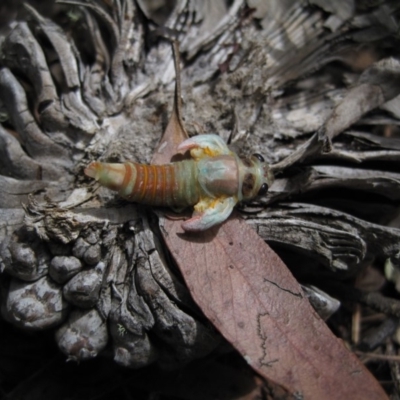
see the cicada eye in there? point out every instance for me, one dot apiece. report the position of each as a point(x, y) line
point(263, 189)
point(259, 157)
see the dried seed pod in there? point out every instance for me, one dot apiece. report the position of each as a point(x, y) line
point(83, 289)
point(92, 255)
point(188, 337)
point(24, 256)
point(130, 320)
point(83, 336)
point(80, 248)
point(87, 252)
point(20, 260)
point(63, 268)
point(38, 305)
point(131, 350)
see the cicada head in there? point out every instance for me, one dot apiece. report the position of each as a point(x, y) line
point(256, 177)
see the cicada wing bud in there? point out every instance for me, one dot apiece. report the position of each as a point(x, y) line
point(205, 146)
point(215, 212)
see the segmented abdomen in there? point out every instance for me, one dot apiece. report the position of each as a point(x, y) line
point(173, 185)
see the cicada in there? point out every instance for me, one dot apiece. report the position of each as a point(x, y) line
point(214, 180)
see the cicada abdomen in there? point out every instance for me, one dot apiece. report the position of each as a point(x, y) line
point(172, 185)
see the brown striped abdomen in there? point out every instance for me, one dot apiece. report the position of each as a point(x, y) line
point(173, 185)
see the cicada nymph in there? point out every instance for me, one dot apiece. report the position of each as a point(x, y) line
point(213, 181)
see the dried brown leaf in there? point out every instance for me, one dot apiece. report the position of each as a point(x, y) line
point(251, 297)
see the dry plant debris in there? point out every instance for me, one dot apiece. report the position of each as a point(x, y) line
point(313, 86)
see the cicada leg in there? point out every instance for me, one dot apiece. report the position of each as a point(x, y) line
point(205, 146)
point(209, 212)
